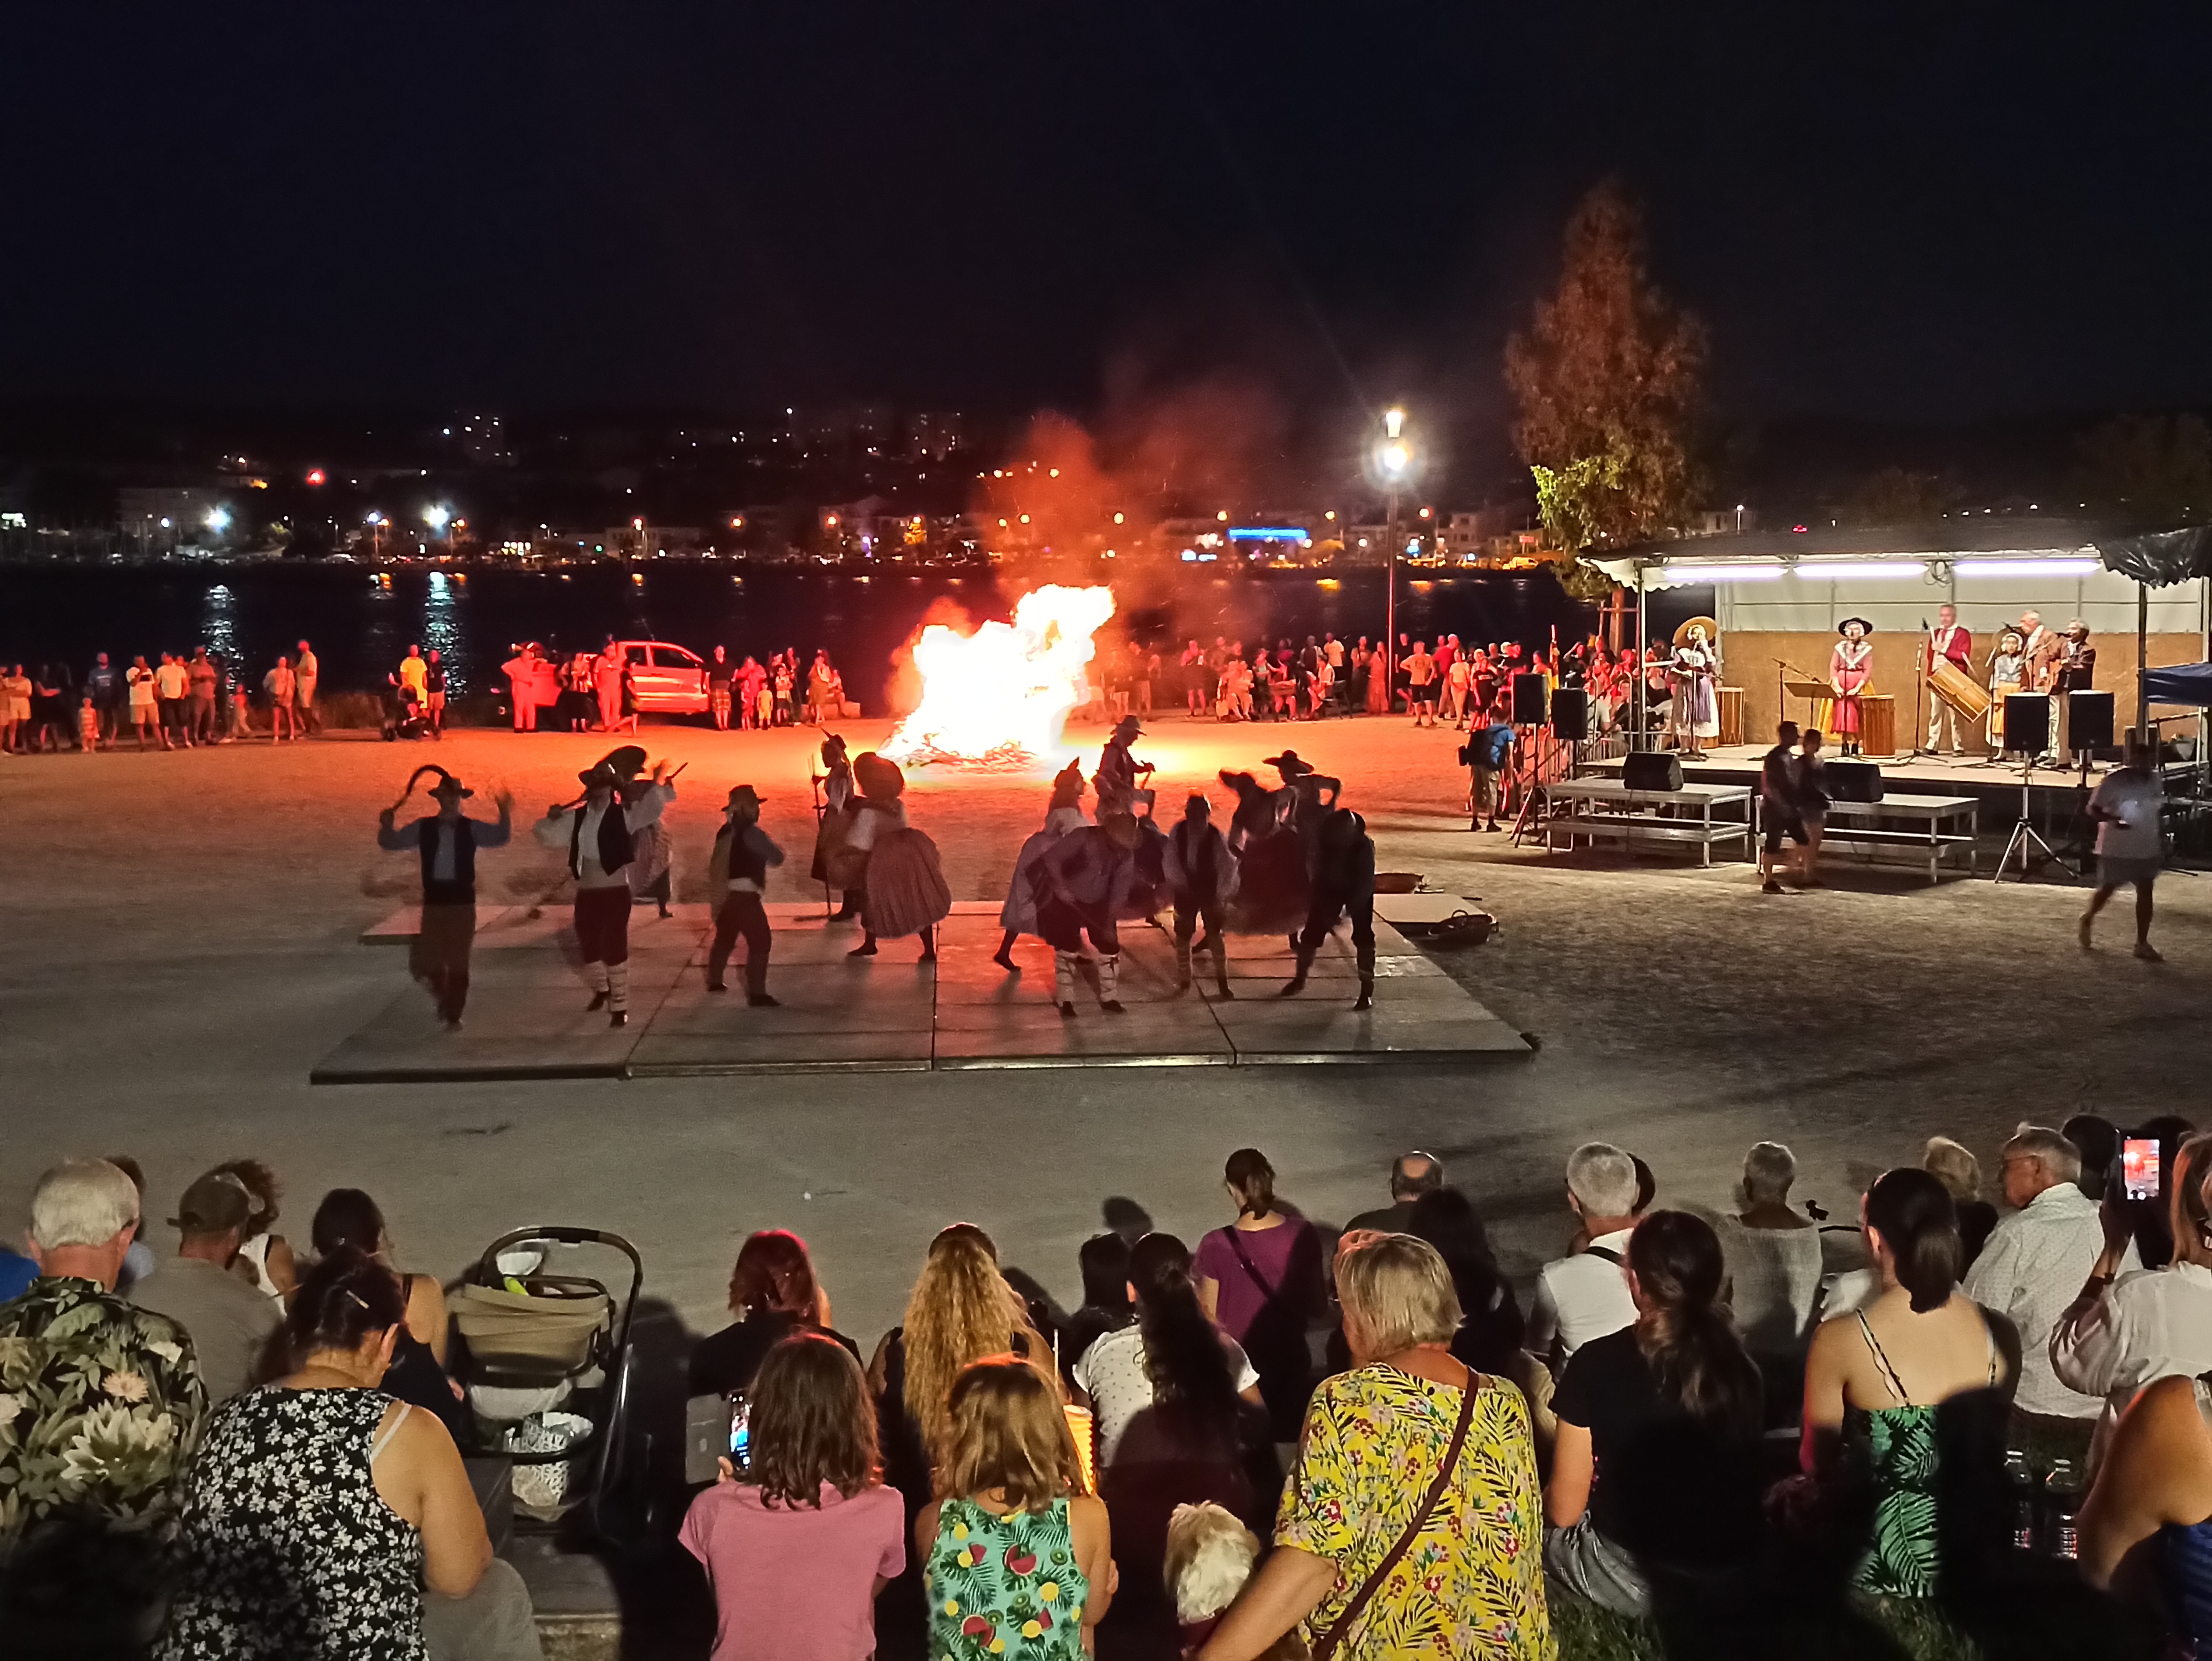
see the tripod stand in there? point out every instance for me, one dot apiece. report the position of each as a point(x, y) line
point(2024, 836)
point(1536, 799)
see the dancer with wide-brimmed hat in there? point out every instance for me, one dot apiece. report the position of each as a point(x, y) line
point(598, 834)
point(448, 841)
point(903, 878)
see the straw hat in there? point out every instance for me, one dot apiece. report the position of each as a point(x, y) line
point(880, 778)
point(1711, 626)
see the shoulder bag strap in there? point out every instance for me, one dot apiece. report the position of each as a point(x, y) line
point(1250, 1268)
point(1340, 1628)
point(1606, 1252)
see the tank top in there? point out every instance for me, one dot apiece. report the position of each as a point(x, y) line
point(1004, 1586)
point(2187, 1550)
point(1903, 1557)
point(256, 1252)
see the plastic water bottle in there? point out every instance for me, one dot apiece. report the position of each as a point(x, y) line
point(2021, 1486)
point(2064, 1489)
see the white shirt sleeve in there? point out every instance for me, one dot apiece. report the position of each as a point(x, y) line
point(1543, 1316)
point(1247, 1376)
point(552, 830)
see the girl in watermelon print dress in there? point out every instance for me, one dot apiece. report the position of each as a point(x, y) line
point(1016, 1558)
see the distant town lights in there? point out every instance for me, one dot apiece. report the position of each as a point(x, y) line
point(218, 519)
point(316, 475)
point(435, 517)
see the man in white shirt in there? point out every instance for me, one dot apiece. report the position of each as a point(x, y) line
point(1585, 1296)
point(2035, 1263)
point(2129, 846)
point(596, 835)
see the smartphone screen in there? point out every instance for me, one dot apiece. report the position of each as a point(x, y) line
point(740, 1431)
point(2139, 1168)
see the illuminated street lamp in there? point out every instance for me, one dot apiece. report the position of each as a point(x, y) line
point(218, 519)
point(376, 522)
point(1394, 465)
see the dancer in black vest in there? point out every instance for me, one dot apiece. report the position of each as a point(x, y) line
point(1201, 875)
point(596, 833)
point(1341, 866)
point(439, 956)
point(736, 876)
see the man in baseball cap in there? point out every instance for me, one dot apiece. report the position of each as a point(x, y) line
point(228, 1319)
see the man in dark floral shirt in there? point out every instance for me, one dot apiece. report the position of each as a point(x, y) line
point(99, 1402)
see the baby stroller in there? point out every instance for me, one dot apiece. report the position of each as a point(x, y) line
point(545, 1360)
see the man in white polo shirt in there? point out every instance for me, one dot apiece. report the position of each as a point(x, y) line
point(1586, 1296)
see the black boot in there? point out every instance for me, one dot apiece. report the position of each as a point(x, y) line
point(1366, 998)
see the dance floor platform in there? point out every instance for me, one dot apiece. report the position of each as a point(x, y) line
point(526, 1017)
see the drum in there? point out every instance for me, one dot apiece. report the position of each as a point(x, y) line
point(1878, 725)
point(1994, 729)
point(1731, 699)
point(1956, 688)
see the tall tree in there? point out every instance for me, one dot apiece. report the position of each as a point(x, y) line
point(2156, 469)
point(1608, 378)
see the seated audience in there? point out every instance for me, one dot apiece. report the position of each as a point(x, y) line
point(16, 1274)
point(1260, 1278)
point(798, 1544)
point(2146, 1219)
point(2146, 1529)
point(230, 1321)
point(2097, 1140)
point(774, 1293)
point(1491, 1327)
point(1016, 1558)
point(1585, 1295)
point(264, 1258)
point(2127, 1330)
point(1172, 1355)
point(1409, 1421)
point(138, 1261)
point(348, 1220)
point(1105, 1261)
point(1773, 1256)
point(1953, 1165)
point(84, 1369)
point(2033, 1267)
point(1655, 1476)
point(1917, 1384)
point(322, 1518)
point(1411, 1175)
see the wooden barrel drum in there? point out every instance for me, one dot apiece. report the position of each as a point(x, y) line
point(1731, 713)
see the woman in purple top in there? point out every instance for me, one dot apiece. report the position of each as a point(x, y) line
point(1261, 1279)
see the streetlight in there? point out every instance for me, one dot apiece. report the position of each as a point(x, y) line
point(376, 536)
point(218, 519)
point(1394, 461)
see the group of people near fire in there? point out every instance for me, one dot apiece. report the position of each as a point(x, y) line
point(1293, 862)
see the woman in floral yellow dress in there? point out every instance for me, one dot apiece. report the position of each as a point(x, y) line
point(1468, 1583)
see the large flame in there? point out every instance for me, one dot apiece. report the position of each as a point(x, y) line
point(1002, 694)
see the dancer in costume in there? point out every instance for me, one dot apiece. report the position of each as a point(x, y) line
point(1201, 877)
point(598, 834)
point(439, 955)
point(1017, 916)
point(904, 880)
point(736, 876)
point(652, 854)
point(1271, 863)
point(1851, 669)
point(834, 866)
point(1343, 879)
point(1086, 883)
point(1118, 771)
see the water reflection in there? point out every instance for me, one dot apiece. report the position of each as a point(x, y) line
point(219, 622)
point(443, 632)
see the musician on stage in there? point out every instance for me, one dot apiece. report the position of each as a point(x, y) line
point(1946, 643)
point(2007, 673)
point(2076, 673)
point(2040, 647)
point(1851, 669)
point(1693, 673)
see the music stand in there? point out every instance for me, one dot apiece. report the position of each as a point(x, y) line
point(1813, 691)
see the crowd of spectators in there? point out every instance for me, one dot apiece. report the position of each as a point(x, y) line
point(1703, 1412)
point(166, 701)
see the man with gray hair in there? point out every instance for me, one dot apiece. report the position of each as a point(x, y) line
point(87, 1370)
point(1585, 1294)
point(1411, 1175)
point(2035, 1263)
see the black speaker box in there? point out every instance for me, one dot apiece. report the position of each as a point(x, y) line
point(1651, 770)
point(1529, 694)
point(2027, 723)
point(1852, 781)
point(1571, 714)
point(2089, 721)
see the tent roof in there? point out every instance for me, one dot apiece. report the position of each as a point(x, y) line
point(1992, 534)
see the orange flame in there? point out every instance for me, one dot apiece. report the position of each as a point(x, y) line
point(1003, 693)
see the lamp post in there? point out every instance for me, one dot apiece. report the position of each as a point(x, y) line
point(1394, 460)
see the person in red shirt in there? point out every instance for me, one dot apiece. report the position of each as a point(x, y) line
point(1947, 643)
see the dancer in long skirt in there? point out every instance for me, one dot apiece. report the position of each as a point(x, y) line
point(833, 866)
point(903, 877)
point(1017, 916)
point(1085, 885)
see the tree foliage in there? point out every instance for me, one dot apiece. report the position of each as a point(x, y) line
point(1898, 495)
point(1607, 377)
point(2157, 469)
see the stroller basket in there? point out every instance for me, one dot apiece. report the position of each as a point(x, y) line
point(555, 1331)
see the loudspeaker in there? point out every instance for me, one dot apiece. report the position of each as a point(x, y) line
point(1852, 781)
point(2089, 721)
point(2028, 722)
point(1570, 714)
point(1528, 693)
point(1651, 770)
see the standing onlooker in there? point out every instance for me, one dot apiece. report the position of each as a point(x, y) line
point(1778, 807)
point(173, 685)
point(1654, 1479)
point(719, 674)
point(104, 682)
point(200, 681)
point(1411, 1175)
point(16, 710)
point(105, 1398)
point(1813, 803)
point(2033, 1267)
point(229, 1320)
point(521, 672)
point(1415, 1484)
point(774, 1294)
point(1016, 1558)
point(306, 670)
point(284, 689)
point(2125, 806)
point(413, 673)
point(1260, 1278)
point(798, 1544)
point(604, 676)
point(145, 711)
point(1420, 684)
point(322, 1518)
point(433, 693)
point(1953, 1165)
point(1585, 1295)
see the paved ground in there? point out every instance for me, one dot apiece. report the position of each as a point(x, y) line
point(181, 948)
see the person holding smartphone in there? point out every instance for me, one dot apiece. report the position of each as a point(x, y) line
point(2125, 807)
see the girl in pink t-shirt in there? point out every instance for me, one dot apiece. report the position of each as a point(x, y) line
point(799, 1544)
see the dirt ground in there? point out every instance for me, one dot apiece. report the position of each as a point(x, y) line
point(180, 948)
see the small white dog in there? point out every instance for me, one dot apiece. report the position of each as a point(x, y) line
point(1210, 1556)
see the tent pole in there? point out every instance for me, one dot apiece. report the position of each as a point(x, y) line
point(1637, 739)
point(2142, 665)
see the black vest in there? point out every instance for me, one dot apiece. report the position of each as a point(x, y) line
point(745, 864)
point(1197, 851)
point(461, 889)
point(614, 841)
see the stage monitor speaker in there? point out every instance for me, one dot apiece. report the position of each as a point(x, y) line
point(1651, 770)
point(2026, 723)
point(2089, 721)
point(1852, 781)
point(1570, 714)
point(1529, 694)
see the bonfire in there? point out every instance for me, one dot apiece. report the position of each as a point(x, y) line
point(999, 697)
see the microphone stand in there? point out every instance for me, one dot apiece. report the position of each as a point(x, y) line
point(1920, 687)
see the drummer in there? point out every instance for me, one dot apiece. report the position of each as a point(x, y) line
point(1946, 643)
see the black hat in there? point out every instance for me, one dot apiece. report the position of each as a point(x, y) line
point(1288, 764)
point(1865, 628)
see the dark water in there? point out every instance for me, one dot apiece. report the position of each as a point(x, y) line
point(361, 629)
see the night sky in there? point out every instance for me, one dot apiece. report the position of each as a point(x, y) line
point(1929, 212)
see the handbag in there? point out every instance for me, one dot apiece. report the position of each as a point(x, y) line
point(1326, 1646)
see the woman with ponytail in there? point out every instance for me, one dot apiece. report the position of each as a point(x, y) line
point(1261, 1278)
point(1910, 1394)
point(1655, 1475)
